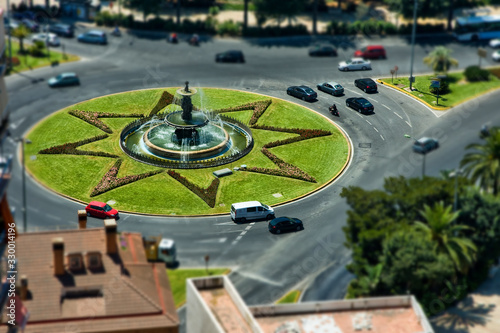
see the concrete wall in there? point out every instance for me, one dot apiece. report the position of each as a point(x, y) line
point(199, 317)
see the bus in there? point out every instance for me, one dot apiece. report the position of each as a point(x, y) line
point(473, 28)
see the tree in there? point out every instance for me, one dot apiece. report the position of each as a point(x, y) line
point(245, 14)
point(21, 32)
point(440, 59)
point(447, 236)
point(146, 6)
point(483, 165)
point(278, 9)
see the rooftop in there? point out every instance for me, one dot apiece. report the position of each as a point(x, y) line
point(93, 299)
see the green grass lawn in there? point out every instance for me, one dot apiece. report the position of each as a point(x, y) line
point(76, 176)
point(290, 297)
point(460, 89)
point(178, 279)
point(28, 62)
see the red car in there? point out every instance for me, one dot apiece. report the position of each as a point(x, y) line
point(371, 52)
point(101, 209)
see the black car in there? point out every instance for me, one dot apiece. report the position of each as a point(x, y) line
point(367, 85)
point(283, 224)
point(322, 51)
point(230, 56)
point(425, 145)
point(303, 92)
point(360, 104)
point(64, 30)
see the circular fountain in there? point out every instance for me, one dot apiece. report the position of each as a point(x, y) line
point(186, 138)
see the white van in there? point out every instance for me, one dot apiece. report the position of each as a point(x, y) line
point(250, 210)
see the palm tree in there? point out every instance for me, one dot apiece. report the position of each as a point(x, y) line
point(21, 32)
point(483, 165)
point(441, 230)
point(440, 59)
point(369, 282)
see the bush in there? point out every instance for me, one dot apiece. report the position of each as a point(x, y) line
point(475, 74)
point(443, 89)
point(229, 28)
point(36, 50)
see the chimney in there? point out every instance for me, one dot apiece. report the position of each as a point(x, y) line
point(82, 219)
point(110, 229)
point(24, 287)
point(58, 249)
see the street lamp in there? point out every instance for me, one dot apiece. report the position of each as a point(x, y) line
point(455, 174)
point(413, 32)
point(24, 141)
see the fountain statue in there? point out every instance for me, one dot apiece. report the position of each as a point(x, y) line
point(186, 135)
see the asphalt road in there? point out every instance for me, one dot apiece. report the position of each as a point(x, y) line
point(265, 266)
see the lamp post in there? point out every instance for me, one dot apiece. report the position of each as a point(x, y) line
point(25, 211)
point(455, 174)
point(413, 32)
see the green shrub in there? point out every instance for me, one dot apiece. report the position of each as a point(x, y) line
point(36, 50)
point(443, 89)
point(475, 74)
point(229, 28)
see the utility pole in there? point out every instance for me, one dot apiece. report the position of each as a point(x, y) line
point(315, 17)
point(413, 32)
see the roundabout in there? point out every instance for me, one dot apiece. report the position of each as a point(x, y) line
point(116, 151)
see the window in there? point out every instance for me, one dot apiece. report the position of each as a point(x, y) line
point(260, 209)
point(94, 260)
point(75, 261)
point(251, 210)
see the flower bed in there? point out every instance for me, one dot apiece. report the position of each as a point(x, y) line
point(257, 107)
point(70, 148)
point(93, 118)
point(208, 194)
point(109, 181)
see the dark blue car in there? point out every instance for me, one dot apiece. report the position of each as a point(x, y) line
point(303, 92)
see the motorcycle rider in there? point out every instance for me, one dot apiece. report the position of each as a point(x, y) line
point(333, 109)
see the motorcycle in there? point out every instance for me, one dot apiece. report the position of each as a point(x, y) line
point(334, 111)
point(194, 40)
point(172, 38)
point(116, 32)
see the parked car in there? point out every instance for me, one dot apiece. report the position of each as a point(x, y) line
point(101, 209)
point(283, 224)
point(303, 92)
point(49, 38)
point(25, 15)
point(64, 30)
point(332, 87)
point(355, 64)
point(496, 55)
point(494, 43)
point(64, 79)
point(30, 24)
point(322, 51)
point(230, 56)
point(359, 104)
point(93, 37)
point(425, 145)
point(366, 84)
point(371, 52)
point(250, 210)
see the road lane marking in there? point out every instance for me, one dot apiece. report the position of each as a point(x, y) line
point(382, 137)
point(238, 238)
point(375, 129)
point(407, 123)
point(54, 217)
point(243, 232)
point(252, 223)
point(374, 100)
point(224, 223)
point(385, 106)
point(368, 122)
point(359, 115)
point(397, 115)
point(248, 228)
point(17, 123)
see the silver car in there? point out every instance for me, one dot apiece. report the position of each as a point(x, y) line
point(355, 64)
point(49, 38)
point(333, 88)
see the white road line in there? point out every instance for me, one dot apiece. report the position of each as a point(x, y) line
point(382, 137)
point(375, 129)
point(385, 106)
point(243, 232)
point(224, 223)
point(252, 223)
point(239, 237)
point(233, 243)
point(248, 228)
point(397, 115)
point(374, 100)
point(57, 218)
point(17, 123)
point(368, 122)
point(408, 123)
point(360, 116)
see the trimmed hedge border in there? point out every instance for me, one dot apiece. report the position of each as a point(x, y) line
point(70, 148)
point(304, 134)
point(208, 194)
point(109, 180)
point(258, 109)
point(165, 99)
point(93, 118)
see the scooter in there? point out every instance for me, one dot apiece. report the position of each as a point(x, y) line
point(334, 111)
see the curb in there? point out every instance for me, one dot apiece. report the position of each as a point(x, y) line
point(415, 97)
